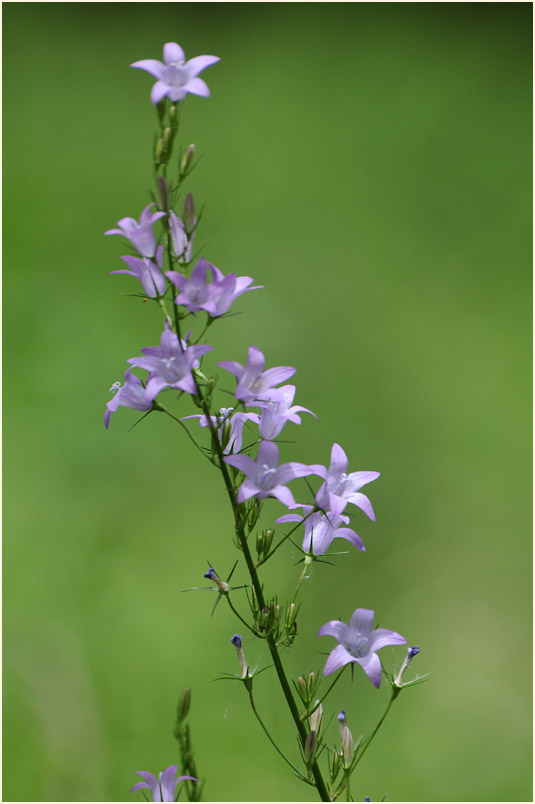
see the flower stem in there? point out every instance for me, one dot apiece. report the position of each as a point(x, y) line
point(395, 693)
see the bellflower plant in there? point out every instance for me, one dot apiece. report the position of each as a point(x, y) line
point(240, 443)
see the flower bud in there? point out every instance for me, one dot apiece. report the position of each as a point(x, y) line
point(166, 136)
point(260, 543)
point(189, 213)
point(268, 539)
point(411, 653)
point(311, 744)
point(173, 116)
point(163, 193)
point(159, 151)
point(347, 747)
point(302, 688)
point(237, 642)
point(213, 576)
point(335, 765)
point(187, 159)
point(184, 703)
point(311, 685)
point(291, 615)
point(316, 717)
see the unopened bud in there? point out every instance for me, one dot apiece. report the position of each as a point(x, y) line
point(316, 717)
point(291, 615)
point(237, 642)
point(335, 765)
point(189, 213)
point(311, 745)
point(302, 688)
point(411, 653)
point(159, 151)
point(166, 136)
point(163, 193)
point(187, 159)
point(347, 747)
point(173, 115)
point(260, 543)
point(184, 703)
point(268, 538)
point(213, 576)
point(311, 685)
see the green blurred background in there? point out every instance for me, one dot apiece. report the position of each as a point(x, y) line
point(370, 164)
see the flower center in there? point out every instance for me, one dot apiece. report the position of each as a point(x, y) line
point(357, 648)
point(176, 74)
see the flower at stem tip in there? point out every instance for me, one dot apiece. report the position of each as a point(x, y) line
point(139, 232)
point(162, 787)
point(411, 653)
point(176, 76)
point(237, 642)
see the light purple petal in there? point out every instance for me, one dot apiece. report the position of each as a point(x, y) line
point(247, 490)
point(290, 471)
point(198, 87)
point(334, 628)
point(382, 637)
point(371, 664)
point(362, 621)
point(285, 496)
point(167, 782)
point(173, 52)
point(337, 659)
point(234, 368)
point(338, 460)
point(363, 503)
point(152, 66)
point(242, 462)
point(152, 783)
point(154, 386)
point(274, 376)
point(199, 63)
point(360, 479)
point(158, 91)
point(289, 518)
point(351, 536)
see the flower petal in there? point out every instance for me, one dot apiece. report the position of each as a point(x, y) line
point(173, 52)
point(334, 628)
point(198, 87)
point(362, 621)
point(199, 63)
point(152, 66)
point(167, 782)
point(371, 664)
point(338, 460)
point(158, 91)
point(151, 782)
point(382, 637)
point(337, 659)
point(364, 503)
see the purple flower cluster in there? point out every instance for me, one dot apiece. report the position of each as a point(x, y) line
point(163, 786)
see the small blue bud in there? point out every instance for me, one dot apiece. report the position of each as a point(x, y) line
point(413, 651)
point(211, 574)
point(342, 717)
point(236, 640)
point(367, 799)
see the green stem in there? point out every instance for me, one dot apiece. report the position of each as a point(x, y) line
point(160, 407)
point(272, 741)
point(395, 693)
point(238, 615)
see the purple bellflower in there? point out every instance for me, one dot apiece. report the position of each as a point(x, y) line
point(253, 381)
point(264, 478)
point(277, 409)
point(215, 297)
point(340, 488)
point(230, 427)
point(358, 642)
point(139, 232)
point(182, 245)
point(176, 76)
point(163, 787)
point(149, 274)
point(320, 530)
point(129, 395)
point(169, 364)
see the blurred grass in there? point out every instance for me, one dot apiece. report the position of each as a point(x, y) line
point(370, 165)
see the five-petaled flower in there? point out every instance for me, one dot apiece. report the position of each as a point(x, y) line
point(253, 381)
point(162, 787)
point(358, 642)
point(169, 364)
point(139, 232)
point(264, 478)
point(196, 293)
point(321, 529)
point(277, 409)
point(149, 274)
point(176, 76)
point(340, 488)
point(130, 395)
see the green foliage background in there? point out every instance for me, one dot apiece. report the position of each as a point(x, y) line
point(370, 164)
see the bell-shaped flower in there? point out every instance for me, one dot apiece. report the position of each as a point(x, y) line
point(253, 382)
point(139, 232)
point(359, 643)
point(182, 245)
point(169, 364)
point(162, 787)
point(277, 409)
point(230, 427)
point(341, 488)
point(264, 477)
point(214, 297)
point(150, 275)
point(130, 395)
point(176, 76)
point(321, 529)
